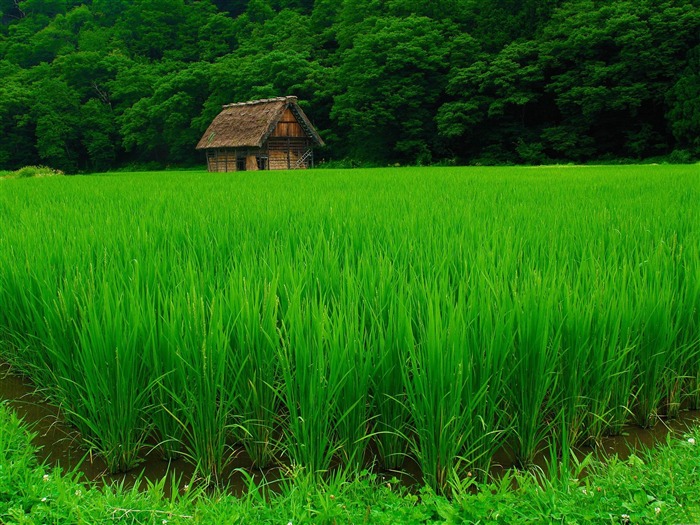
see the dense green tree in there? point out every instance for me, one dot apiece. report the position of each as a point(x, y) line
point(496, 23)
point(217, 36)
point(684, 105)
point(610, 66)
point(234, 8)
point(593, 83)
point(17, 146)
point(99, 137)
point(10, 11)
point(155, 28)
point(390, 84)
point(55, 112)
point(161, 125)
point(497, 105)
point(89, 85)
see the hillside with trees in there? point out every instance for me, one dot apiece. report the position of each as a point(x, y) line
point(103, 84)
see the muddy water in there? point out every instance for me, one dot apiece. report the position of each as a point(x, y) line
point(60, 446)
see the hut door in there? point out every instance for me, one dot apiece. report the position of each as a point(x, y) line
point(240, 164)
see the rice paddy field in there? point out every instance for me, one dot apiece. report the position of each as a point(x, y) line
point(332, 319)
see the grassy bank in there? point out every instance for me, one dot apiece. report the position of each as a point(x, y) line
point(647, 488)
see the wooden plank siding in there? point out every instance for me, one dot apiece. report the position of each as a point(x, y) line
point(221, 160)
point(288, 126)
point(278, 154)
point(285, 153)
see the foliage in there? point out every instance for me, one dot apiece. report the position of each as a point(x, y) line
point(97, 85)
point(33, 171)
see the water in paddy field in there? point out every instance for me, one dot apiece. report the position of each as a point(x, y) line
point(59, 445)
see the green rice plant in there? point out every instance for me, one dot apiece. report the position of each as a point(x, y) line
point(490, 338)
point(620, 341)
point(40, 324)
point(441, 393)
point(596, 374)
point(308, 389)
point(390, 338)
point(676, 301)
point(111, 377)
point(690, 321)
point(350, 364)
point(169, 372)
point(533, 384)
point(528, 272)
point(683, 365)
point(575, 372)
point(610, 378)
point(212, 381)
point(59, 328)
point(657, 334)
point(255, 345)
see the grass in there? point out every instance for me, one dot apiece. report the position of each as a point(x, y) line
point(329, 320)
point(646, 488)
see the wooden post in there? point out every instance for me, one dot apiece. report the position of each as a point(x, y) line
point(289, 148)
point(251, 163)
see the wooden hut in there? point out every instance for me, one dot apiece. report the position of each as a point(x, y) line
point(268, 134)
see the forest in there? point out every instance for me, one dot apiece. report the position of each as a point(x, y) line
point(105, 84)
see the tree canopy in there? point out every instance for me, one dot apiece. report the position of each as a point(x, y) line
point(101, 84)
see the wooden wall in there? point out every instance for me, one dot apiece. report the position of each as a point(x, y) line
point(278, 154)
point(221, 160)
point(288, 126)
point(286, 153)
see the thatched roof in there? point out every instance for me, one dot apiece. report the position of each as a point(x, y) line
point(249, 124)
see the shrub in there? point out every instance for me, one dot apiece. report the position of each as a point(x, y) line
point(35, 171)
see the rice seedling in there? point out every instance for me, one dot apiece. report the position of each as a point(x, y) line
point(390, 337)
point(533, 384)
point(651, 353)
point(441, 391)
point(212, 381)
point(110, 374)
point(490, 339)
point(255, 346)
point(170, 375)
point(350, 364)
point(308, 389)
point(594, 364)
point(434, 313)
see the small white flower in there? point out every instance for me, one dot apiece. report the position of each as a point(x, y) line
point(164, 522)
point(43, 500)
point(657, 510)
point(46, 477)
point(691, 441)
point(78, 493)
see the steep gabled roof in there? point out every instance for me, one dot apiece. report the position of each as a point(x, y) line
point(249, 124)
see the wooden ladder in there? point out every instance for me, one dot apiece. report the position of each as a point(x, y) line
point(302, 160)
